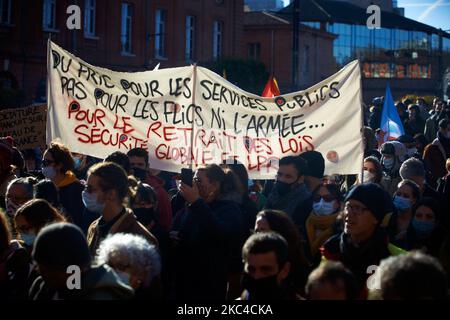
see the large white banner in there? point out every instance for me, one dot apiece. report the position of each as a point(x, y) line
point(190, 116)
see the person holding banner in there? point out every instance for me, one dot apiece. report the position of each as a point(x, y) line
point(106, 189)
point(58, 166)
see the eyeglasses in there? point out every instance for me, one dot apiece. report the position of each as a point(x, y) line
point(326, 198)
point(355, 208)
point(46, 162)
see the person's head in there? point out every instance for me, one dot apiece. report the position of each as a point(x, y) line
point(409, 144)
point(420, 142)
point(32, 217)
point(139, 162)
point(47, 190)
point(414, 111)
point(120, 159)
point(57, 247)
point(57, 160)
point(373, 172)
point(412, 276)
point(407, 194)
point(240, 171)
point(278, 221)
point(413, 169)
point(291, 173)
point(426, 216)
point(31, 159)
point(420, 102)
point(331, 281)
point(266, 266)
point(444, 128)
point(145, 204)
point(393, 154)
point(315, 164)
point(106, 186)
point(214, 182)
point(447, 165)
point(19, 191)
point(327, 200)
point(439, 106)
point(365, 207)
point(400, 108)
point(134, 259)
point(5, 232)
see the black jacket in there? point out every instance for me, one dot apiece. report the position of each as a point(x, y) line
point(211, 237)
point(71, 201)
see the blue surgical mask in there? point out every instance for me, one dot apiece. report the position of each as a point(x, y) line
point(28, 238)
point(388, 163)
point(423, 228)
point(49, 172)
point(77, 162)
point(402, 204)
point(323, 208)
point(91, 203)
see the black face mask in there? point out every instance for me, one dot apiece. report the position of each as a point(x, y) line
point(145, 216)
point(262, 289)
point(139, 173)
point(283, 188)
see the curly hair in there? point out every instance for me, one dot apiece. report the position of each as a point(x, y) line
point(123, 251)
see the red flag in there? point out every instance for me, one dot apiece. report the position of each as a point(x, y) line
point(271, 89)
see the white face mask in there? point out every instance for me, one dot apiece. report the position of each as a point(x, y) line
point(367, 176)
point(323, 208)
point(49, 172)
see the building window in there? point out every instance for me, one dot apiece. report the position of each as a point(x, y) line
point(217, 39)
point(127, 19)
point(49, 20)
point(190, 38)
point(89, 17)
point(5, 11)
point(254, 51)
point(160, 33)
point(305, 60)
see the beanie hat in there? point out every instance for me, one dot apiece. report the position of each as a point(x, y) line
point(316, 163)
point(60, 245)
point(373, 197)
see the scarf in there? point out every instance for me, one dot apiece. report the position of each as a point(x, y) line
point(319, 229)
point(288, 202)
point(69, 178)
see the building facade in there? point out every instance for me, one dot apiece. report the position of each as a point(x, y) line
point(127, 35)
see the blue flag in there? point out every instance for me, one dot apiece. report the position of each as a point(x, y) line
point(391, 125)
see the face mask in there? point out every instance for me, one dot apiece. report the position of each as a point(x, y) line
point(124, 277)
point(323, 208)
point(411, 152)
point(401, 203)
point(282, 187)
point(388, 163)
point(261, 289)
point(367, 176)
point(77, 162)
point(423, 228)
point(139, 173)
point(91, 203)
point(49, 172)
point(11, 208)
point(28, 238)
point(145, 215)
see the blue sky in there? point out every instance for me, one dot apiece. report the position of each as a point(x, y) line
point(432, 12)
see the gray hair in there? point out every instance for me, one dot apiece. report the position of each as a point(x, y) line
point(128, 251)
point(412, 168)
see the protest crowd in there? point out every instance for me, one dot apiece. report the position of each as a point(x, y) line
point(133, 232)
